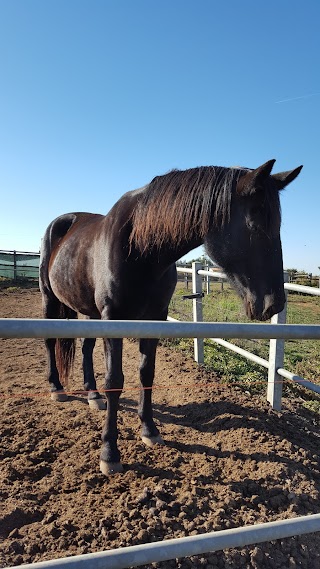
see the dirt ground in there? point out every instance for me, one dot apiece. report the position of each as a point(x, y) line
point(229, 460)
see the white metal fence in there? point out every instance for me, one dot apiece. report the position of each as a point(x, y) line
point(274, 364)
point(193, 545)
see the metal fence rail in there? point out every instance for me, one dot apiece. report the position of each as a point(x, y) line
point(136, 555)
point(55, 328)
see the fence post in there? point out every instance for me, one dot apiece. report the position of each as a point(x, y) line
point(197, 310)
point(14, 265)
point(276, 356)
point(207, 280)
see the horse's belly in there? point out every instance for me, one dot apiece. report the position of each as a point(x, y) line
point(82, 303)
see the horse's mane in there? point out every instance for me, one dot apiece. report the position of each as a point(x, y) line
point(181, 204)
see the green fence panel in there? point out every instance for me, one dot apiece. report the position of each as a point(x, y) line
point(18, 264)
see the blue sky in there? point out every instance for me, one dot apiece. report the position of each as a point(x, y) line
point(99, 96)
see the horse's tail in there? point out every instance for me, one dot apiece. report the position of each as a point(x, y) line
point(65, 348)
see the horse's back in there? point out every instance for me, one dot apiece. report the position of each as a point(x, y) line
point(88, 264)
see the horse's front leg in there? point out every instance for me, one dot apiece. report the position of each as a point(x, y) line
point(94, 398)
point(149, 433)
point(110, 456)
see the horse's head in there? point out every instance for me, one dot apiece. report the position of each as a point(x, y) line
point(247, 245)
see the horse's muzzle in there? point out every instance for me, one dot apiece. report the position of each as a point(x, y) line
point(257, 310)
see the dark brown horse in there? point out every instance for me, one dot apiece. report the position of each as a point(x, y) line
point(121, 266)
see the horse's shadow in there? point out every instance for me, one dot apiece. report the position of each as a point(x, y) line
point(212, 418)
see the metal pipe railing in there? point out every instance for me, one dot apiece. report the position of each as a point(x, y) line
point(56, 328)
point(300, 380)
point(315, 291)
point(249, 355)
point(276, 349)
point(185, 546)
point(213, 274)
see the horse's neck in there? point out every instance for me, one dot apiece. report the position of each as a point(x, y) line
point(169, 254)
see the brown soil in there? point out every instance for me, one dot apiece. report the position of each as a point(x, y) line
point(229, 460)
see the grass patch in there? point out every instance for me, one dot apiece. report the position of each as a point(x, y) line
point(313, 405)
point(12, 289)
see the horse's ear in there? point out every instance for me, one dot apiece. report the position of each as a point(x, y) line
point(247, 183)
point(284, 178)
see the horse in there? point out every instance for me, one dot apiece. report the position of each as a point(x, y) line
point(121, 266)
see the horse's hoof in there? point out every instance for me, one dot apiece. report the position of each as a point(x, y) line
point(108, 468)
point(151, 441)
point(97, 404)
point(60, 396)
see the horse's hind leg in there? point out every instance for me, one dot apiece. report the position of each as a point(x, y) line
point(150, 434)
point(51, 309)
point(94, 398)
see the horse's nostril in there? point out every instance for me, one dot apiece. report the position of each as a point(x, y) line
point(268, 302)
point(272, 309)
point(252, 310)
